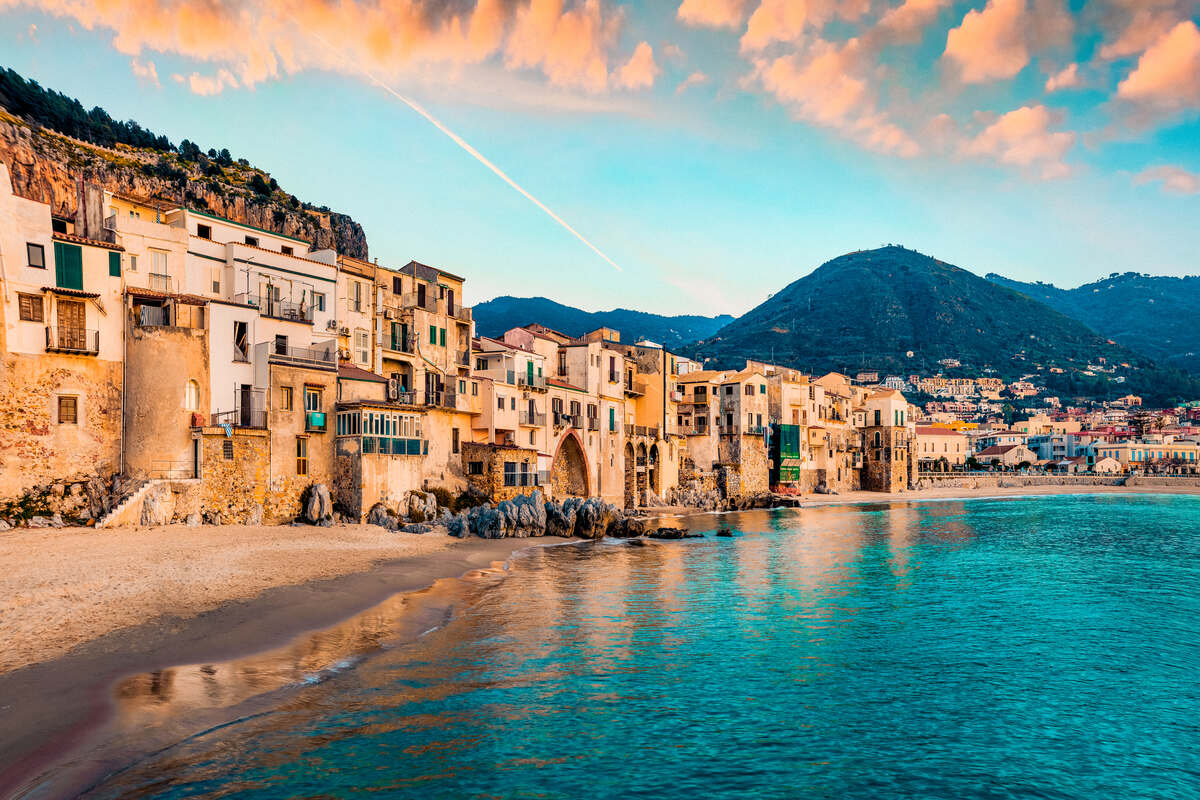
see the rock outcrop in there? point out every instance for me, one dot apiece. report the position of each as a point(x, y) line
point(317, 505)
point(45, 166)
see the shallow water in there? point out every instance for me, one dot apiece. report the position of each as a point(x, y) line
point(1040, 647)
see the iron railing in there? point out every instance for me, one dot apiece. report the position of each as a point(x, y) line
point(153, 316)
point(536, 419)
point(562, 420)
point(270, 306)
point(240, 418)
point(321, 357)
point(402, 344)
point(532, 381)
point(63, 339)
point(160, 282)
point(411, 300)
point(464, 358)
point(172, 470)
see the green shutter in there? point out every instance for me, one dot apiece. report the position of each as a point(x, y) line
point(432, 335)
point(114, 264)
point(68, 266)
point(612, 419)
point(442, 341)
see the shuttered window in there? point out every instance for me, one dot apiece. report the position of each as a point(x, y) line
point(114, 264)
point(68, 410)
point(31, 307)
point(68, 266)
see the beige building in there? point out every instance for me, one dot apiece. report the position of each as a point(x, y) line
point(940, 449)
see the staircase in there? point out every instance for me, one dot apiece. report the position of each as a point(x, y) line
point(122, 514)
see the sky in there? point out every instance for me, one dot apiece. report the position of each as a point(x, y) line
point(677, 156)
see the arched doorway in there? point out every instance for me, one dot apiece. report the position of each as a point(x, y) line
point(630, 478)
point(654, 474)
point(642, 484)
point(568, 472)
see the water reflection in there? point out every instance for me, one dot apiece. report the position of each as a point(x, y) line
point(898, 649)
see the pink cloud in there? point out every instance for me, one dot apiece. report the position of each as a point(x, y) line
point(787, 20)
point(572, 43)
point(1167, 76)
point(997, 42)
point(1131, 26)
point(712, 13)
point(907, 19)
point(1066, 78)
point(1175, 180)
point(1023, 138)
point(145, 72)
point(695, 79)
point(640, 71)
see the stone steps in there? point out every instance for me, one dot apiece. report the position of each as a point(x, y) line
point(116, 516)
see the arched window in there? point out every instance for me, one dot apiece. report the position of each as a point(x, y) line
point(191, 396)
point(877, 439)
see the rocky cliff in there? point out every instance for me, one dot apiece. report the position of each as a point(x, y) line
point(46, 165)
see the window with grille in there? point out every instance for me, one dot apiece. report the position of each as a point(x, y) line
point(68, 410)
point(227, 449)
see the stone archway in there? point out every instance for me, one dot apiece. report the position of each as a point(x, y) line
point(654, 472)
point(630, 478)
point(569, 470)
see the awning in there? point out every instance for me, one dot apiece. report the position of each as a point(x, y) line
point(70, 292)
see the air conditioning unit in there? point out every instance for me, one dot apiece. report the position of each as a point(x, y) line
point(331, 325)
point(344, 353)
point(393, 389)
point(344, 332)
point(389, 313)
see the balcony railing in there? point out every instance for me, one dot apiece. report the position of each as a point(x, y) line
point(642, 430)
point(63, 339)
point(161, 282)
point(754, 430)
point(402, 344)
point(567, 420)
point(270, 306)
point(532, 381)
point(461, 313)
point(593, 423)
point(535, 419)
point(314, 421)
point(153, 316)
point(439, 399)
point(320, 357)
point(240, 418)
point(464, 358)
point(411, 300)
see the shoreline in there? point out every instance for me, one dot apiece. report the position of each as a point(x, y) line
point(51, 710)
point(51, 707)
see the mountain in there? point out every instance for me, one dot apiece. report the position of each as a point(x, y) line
point(496, 316)
point(898, 311)
point(1154, 315)
point(49, 141)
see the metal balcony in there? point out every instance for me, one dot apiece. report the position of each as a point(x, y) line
point(72, 340)
point(535, 419)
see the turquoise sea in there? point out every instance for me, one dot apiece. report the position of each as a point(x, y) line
point(1044, 647)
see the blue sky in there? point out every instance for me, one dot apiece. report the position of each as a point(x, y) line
point(819, 127)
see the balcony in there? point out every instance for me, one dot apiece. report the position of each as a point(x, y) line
point(276, 308)
point(63, 339)
point(642, 430)
point(412, 300)
point(240, 418)
point(402, 344)
point(314, 421)
point(461, 313)
point(319, 357)
point(593, 423)
point(754, 430)
point(535, 419)
point(531, 381)
point(464, 358)
point(567, 420)
point(160, 282)
point(441, 399)
point(635, 388)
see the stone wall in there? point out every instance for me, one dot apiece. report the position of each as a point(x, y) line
point(286, 484)
point(491, 457)
point(1004, 481)
point(747, 456)
point(35, 450)
point(233, 490)
point(885, 466)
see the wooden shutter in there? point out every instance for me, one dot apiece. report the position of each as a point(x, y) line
point(114, 264)
point(68, 266)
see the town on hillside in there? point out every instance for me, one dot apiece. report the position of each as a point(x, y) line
point(151, 345)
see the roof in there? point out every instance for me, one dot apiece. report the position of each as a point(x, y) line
point(998, 449)
point(70, 237)
point(428, 273)
point(564, 385)
point(228, 221)
point(153, 202)
point(933, 430)
point(69, 292)
point(189, 299)
point(350, 372)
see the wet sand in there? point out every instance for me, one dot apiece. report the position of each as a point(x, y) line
point(50, 706)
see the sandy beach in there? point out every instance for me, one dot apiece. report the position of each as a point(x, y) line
point(80, 608)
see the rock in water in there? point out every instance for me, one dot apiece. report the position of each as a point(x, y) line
point(725, 532)
point(673, 533)
point(416, 527)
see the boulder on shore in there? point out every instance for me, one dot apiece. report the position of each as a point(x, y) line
point(317, 505)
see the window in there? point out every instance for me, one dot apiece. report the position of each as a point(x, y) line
point(158, 262)
point(204, 231)
point(114, 264)
point(762, 389)
point(133, 263)
point(749, 389)
point(285, 398)
point(301, 455)
point(562, 362)
point(612, 419)
point(728, 390)
point(512, 404)
point(474, 389)
point(287, 250)
point(312, 399)
point(31, 308)
point(252, 241)
point(474, 467)
point(454, 440)
point(362, 347)
point(877, 416)
point(442, 337)
point(227, 449)
point(433, 334)
point(500, 403)
point(462, 387)
point(191, 396)
point(356, 295)
point(36, 255)
point(397, 286)
point(241, 341)
point(319, 301)
point(510, 473)
point(68, 410)
point(216, 287)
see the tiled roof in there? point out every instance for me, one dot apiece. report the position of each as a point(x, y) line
point(190, 299)
point(69, 292)
point(932, 430)
point(353, 373)
point(997, 449)
point(70, 237)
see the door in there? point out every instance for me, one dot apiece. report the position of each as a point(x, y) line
point(432, 389)
point(529, 373)
point(246, 405)
point(71, 332)
point(450, 302)
point(421, 295)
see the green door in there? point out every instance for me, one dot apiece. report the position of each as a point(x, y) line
point(529, 373)
point(68, 266)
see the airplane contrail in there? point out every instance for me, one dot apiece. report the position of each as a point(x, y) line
point(481, 158)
